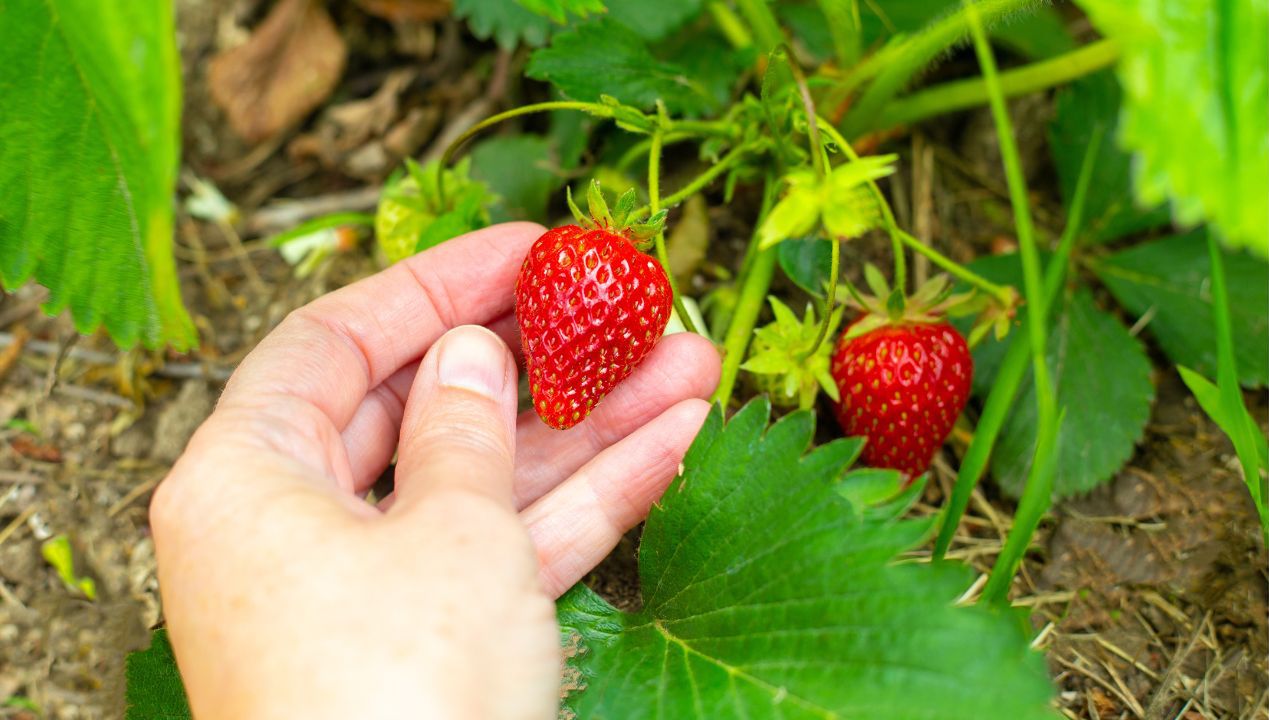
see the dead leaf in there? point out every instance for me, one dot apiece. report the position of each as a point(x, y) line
point(686, 243)
point(29, 448)
point(406, 10)
point(288, 66)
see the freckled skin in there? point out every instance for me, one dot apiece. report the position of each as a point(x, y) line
point(590, 308)
point(902, 387)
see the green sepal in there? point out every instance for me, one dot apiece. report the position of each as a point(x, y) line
point(598, 206)
point(581, 217)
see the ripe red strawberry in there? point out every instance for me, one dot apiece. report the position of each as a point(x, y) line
point(903, 379)
point(590, 308)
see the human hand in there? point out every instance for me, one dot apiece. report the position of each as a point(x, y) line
point(287, 595)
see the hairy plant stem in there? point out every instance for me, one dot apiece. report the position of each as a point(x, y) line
point(1012, 369)
point(957, 270)
point(972, 92)
point(893, 67)
point(695, 127)
point(820, 162)
point(699, 182)
point(654, 195)
point(1036, 496)
point(754, 284)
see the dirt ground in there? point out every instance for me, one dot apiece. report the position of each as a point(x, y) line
point(1151, 595)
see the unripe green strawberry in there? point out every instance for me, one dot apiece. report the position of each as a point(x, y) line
point(590, 308)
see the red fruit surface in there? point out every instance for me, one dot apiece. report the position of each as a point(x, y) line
point(590, 307)
point(902, 387)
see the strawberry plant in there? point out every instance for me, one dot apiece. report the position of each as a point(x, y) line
point(775, 578)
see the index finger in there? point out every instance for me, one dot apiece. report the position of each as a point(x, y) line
point(331, 352)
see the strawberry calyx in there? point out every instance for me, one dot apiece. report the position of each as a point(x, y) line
point(886, 306)
point(618, 220)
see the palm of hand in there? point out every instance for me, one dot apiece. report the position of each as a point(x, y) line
point(285, 591)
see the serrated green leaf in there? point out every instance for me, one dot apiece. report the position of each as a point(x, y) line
point(506, 21)
point(1102, 377)
point(89, 150)
point(517, 168)
point(605, 58)
point(707, 57)
point(766, 595)
point(1169, 280)
point(155, 691)
point(795, 215)
point(1196, 107)
point(1087, 107)
point(560, 10)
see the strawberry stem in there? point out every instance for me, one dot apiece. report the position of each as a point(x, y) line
point(654, 195)
point(887, 215)
point(699, 182)
point(753, 292)
point(1000, 292)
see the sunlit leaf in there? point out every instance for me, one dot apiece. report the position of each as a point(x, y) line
point(89, 149)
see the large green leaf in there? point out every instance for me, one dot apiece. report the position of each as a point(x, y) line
point(1169, 280)
point(518, 168)
point(653, 19)
point(768, 595)
point(507, 22)
point(1102, 376)
point(154, 690)
point(1196, 84)
point(89, 150)
point(605, 58)
point(1089, 107)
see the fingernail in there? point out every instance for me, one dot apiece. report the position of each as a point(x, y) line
point(474, 359)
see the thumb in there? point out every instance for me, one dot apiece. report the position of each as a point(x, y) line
point(458, 429)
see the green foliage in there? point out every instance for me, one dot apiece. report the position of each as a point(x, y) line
point(653, 19)
point(778, 357)
point(1038, 35)
point(506, 21)
point(58, 553)
point(807, 262)
point(841, 203)
point(1087, 107)
point(605, 58)
point(1102, 377)
point(1169, 280)
point(1197, 107)
point(518, 169)
point(560, 10)
point(766, 594)
point(89, 147)
point(154, 689)
point(412, 217)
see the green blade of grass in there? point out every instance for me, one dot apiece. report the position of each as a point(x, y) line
point(1037, 495)
point(1240, 427)
point(1014, 366)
